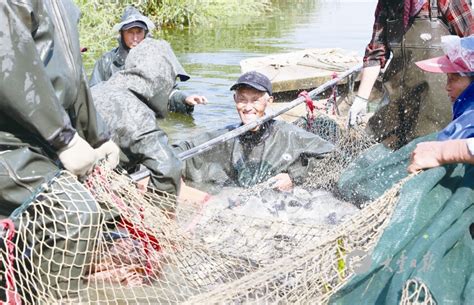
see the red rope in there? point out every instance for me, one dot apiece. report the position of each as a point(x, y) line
point(310, 108)
point(331, 107)
point(12, 294)
point(146, 239)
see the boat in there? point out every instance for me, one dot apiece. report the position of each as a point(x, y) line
point(301, 70)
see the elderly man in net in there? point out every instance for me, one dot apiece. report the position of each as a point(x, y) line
point(276, 151)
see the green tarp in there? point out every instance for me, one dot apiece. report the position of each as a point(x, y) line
point(428, 236)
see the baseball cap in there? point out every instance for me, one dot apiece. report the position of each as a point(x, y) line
point(458, 58)
point(255, 80)
point(134, 24)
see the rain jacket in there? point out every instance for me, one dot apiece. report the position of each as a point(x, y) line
point(44, 101)
point(253, 157)
point(417, 104)
point(44, 97)
point(128, 102)
point(462, 126)
point(114, 61)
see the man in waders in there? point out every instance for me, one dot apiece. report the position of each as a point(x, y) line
point(127, 104)
point(276, 151)
point(133, 28)
point(47, 122)
point(411, 30)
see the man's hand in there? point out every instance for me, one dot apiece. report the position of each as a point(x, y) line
point(357, 111)
point(193, 100)
point(425, 155)
point(192, 195)
point(110, 153)
point(281, 182)
point(78, 156)
point(436, 153)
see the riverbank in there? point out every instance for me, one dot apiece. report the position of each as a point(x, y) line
point(98, 18)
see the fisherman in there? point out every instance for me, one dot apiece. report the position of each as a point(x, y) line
point(128, 102)
point(277, 152)
point(47, 122)
point(456, 142)
point(411, 30)
point(133, 28)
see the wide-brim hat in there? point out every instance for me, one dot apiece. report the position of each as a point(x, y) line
point(441, 64)
point(458, 58)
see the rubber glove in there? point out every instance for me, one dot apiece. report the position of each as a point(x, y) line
point(78, 156)
point(436, 153)
point(357, 111)
point(110, 153)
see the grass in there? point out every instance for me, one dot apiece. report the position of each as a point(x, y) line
point(99, 16)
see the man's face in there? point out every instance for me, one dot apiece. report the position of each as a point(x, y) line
point(251, 103)
point(133, 36)
point(456, 84)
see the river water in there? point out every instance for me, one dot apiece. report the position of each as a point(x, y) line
point(211, 54)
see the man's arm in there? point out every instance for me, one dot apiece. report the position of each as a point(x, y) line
point(375, 58)
point(432, 154)
point(182, 103)
point(98, 74)
point(26, 93)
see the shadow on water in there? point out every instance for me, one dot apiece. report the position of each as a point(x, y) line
point(211, 54)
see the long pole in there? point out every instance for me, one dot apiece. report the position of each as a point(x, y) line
point(244, 128)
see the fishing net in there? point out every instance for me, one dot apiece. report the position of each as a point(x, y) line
point(105, 241)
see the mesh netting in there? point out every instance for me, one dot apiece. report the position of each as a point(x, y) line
point(107, 242)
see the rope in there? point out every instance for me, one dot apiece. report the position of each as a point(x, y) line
point(146, 239)
point(309, 106)
point(332, 101)
point(12, 294)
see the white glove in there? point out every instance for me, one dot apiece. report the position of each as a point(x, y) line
point(110, 153)
point(78, 156)
point(357, 111)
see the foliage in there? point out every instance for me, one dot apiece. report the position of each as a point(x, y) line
point(99, 16)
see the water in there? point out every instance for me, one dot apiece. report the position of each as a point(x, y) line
point(212, 54)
